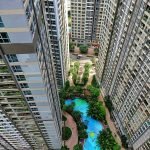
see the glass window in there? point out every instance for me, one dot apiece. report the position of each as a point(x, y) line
point(24, 85)
point(12, 58)
point(4, 37)
point(16, 69)
point(20, 77)
point(1, 22)
point(27, 92)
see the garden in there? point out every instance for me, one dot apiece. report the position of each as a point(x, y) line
point(83, 49)
point(89, 114)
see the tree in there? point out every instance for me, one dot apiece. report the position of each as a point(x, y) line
point(78, 147)
point(97, 111)
point(66, 133)
point(68, 108)
point(62, 93)
point(74, 71)
point(86, 73)
point(94, 91)
point(83, 49)
point(108, 103)
point(64, 118)
point(96, 50)
point(94, 82)
point(76, 115)
point(71, 47)
point(107, 141)
point(67, 84)
point(82, 134)
point(93, 59)
point(64, 148)
point(124, 141)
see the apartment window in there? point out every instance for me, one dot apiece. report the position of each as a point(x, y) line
point(27, 92)
point(33, 104)
point(48, 3)
point(24, 85)
point(30, 98)
point(4, 37)
point(34, 109)
point(16, 69)
point(20, 77)
point(12, 58)
point(51, 10)
point(1, 22)
point(28, 13)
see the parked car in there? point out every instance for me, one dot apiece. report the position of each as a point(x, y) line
point(79, 56)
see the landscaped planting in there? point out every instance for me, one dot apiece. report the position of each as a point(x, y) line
point(97, 111)
point(87, 113)
point(86, 73)
point(107, 141)
point(66, 133)
point(83, 49)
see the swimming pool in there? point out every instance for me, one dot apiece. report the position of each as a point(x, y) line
point(93, 126)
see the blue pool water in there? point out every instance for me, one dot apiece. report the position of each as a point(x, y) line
point(93, 126)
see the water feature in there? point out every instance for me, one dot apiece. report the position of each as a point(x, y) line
point(93, 126)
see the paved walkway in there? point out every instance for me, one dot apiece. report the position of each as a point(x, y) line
point(111, 124)
point(72, 125)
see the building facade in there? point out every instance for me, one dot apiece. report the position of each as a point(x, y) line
point(123, 71)
point(29, 92)
point(92, 20)
point(57, 26)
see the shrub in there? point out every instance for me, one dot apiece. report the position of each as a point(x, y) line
point(66, 133)
point(97, 111)
point(94, 91)
point(83, 49)
point(107, 141)
point(78, 147)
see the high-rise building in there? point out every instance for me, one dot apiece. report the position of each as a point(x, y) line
point(91, 20)
point(123, 71)
point(33, 60)
point(57, 26)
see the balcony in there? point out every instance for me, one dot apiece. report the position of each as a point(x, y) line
point(4, 69)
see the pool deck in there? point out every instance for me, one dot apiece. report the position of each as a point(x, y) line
point(72, 125)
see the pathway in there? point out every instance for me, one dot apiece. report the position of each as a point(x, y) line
point(111, 124)
point(72, 125)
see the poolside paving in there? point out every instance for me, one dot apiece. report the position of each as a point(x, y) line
point(72, 125)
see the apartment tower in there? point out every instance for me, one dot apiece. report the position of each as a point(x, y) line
point(90, 18)
point(57, 26)
point(30, 107)
point(123, 71)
